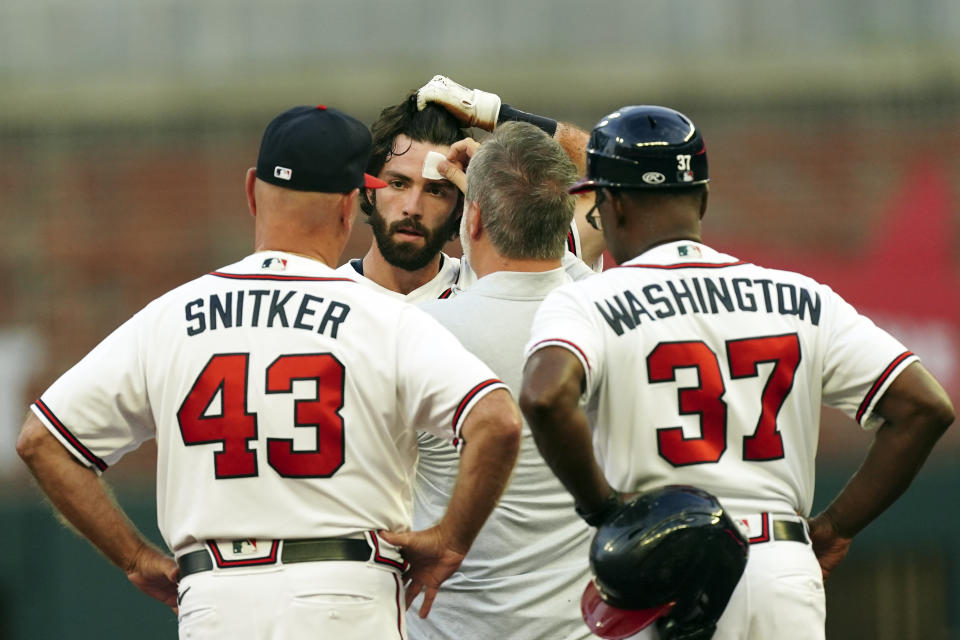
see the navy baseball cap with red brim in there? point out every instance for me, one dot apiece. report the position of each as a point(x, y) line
point(316, 148)
point(613, 623)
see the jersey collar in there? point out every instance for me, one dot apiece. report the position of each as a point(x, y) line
point(519, 285)
point(680, 252)
point(282, 263)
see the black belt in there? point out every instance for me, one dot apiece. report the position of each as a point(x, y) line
point(789, 530)
point(310, 550)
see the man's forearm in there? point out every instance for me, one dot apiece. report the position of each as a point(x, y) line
point(550, 397)
point(78, 495)
point(917, 411)
point(574, 142)
point(565, 442)
point(892, 462)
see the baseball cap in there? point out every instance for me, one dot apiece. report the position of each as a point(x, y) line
point(319, 148)
point(614, 623)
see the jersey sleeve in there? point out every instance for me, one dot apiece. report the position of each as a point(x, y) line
point(439, 380)
point(564, 320)
point(99, 408)
point(860, 362)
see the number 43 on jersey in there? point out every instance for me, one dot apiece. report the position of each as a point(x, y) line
point(226, 375)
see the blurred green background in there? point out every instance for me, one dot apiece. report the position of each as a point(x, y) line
point(126, 127)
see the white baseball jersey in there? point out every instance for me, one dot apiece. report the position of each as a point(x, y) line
point(573, 246)
point(528, 566)
point(439, 286)
point(710, 371)
point(706, 370)
point(284, 400)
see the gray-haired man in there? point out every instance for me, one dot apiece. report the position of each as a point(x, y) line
point(524, 574)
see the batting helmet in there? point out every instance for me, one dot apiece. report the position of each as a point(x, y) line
point(644, 147)
point(671, 555)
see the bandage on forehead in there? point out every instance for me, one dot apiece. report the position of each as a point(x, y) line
point(430, 163)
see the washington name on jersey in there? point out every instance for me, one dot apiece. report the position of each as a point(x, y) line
point(708, 295)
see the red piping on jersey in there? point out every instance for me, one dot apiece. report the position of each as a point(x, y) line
point(566, 342)
point(402, 566)
point(270, 559)
point(571, 245)
point(255, 276)
point(764, 535)
point(446, 294)
point(470, 396)
point(879, 383)
point(72, 439)
point(688, 265)
point(396, 580)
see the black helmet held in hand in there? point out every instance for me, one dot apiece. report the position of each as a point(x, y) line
point(671, 556)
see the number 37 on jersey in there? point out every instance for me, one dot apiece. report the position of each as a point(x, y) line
point(707, 399)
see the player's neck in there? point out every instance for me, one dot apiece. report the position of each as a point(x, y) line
point(632, 250)
point(325, 246)
point(643, 233)
point(388, 276)
point(691, 237)
point(318, 254)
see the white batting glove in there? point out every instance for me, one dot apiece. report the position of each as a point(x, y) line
point(472, 107)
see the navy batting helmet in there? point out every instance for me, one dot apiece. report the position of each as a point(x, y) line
point(644, 147)
point(671, 555)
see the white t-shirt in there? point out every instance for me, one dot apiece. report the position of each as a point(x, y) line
point(710, 371)
point(527, 569)
point(284, 400)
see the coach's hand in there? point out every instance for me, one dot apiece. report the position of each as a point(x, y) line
point(156, 574)
point(472, 107)
point(432, 560)
point(454, 168)
point(829, 546)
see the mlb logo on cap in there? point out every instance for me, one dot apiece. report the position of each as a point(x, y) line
point(283, 173)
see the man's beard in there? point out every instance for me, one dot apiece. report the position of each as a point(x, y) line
point(406, 255)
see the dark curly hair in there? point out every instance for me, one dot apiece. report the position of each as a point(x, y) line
point(433, 125)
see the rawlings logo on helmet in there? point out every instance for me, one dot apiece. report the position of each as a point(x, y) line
point(653, 177)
